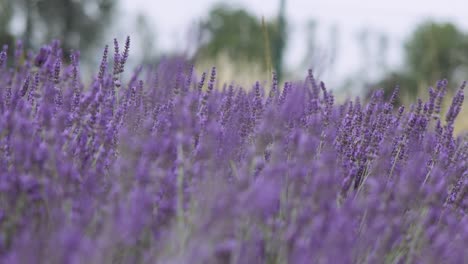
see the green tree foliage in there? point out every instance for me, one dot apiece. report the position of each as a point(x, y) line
point(240, 35)
point(77, 23)
point(433, 52)
point(5, 16)
point(279, 40)
point(408, 84)
point(436, 51)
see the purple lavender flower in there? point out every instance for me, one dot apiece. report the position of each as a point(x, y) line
point(154, 168)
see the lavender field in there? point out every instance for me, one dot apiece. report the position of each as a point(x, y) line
point(166, 165)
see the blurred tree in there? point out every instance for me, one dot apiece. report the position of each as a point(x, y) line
point(320, 57)
point(78, 24)
point(434, 51)
point(240, 35)
point(311, 43)
point(6, 13)
point(146, 36)
point(407, 82)
point(382, 51)
point(364, 39)
point(279, 40)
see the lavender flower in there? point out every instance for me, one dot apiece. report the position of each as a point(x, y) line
point(151, 167)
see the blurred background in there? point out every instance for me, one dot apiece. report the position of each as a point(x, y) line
point(354, 46)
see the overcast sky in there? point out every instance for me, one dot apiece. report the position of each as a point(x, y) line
point(396, 18)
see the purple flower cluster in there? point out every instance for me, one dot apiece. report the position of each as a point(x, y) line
point(166, 167)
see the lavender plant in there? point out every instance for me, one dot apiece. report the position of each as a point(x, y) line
point(166, 167)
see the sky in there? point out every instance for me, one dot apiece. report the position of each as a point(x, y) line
point(397, 19)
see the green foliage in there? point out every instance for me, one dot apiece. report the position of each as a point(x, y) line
point(240, 35)
point(434, 51)
point(279, 40)
point(406, 81)
point(77, 23)
point(74, 21)
point(5, 16)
